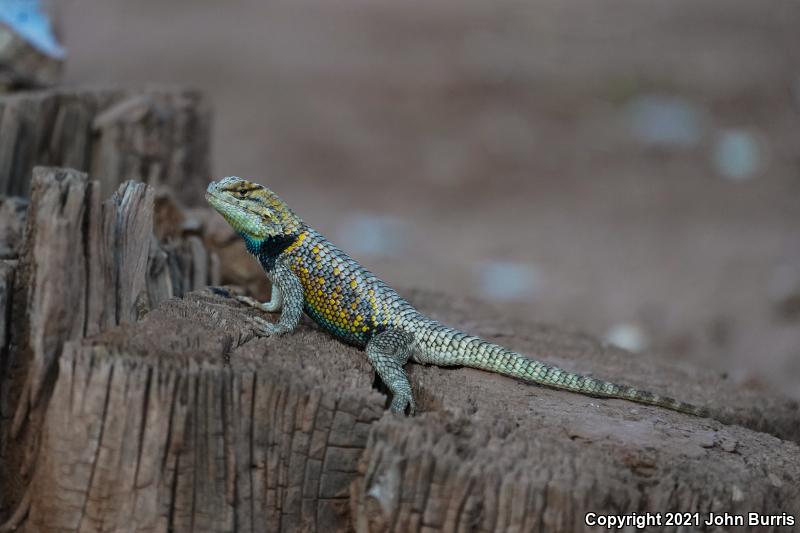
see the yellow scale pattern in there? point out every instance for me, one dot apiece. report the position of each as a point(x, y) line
point(339, 294)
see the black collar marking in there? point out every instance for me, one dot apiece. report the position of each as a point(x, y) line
point(272, 247)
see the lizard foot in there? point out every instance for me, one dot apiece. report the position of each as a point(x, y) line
point(265, 328)
point(272, 306)
point(400, 402)
point(252, 302)
point(241, 298)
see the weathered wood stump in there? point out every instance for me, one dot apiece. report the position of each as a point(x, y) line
point(183, 421)
point(157, 135)
point(179, 419)
point(85, 266)
point(150, 429)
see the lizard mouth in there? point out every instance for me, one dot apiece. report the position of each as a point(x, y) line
point(216, 198)
point(242, 217)
point(230, 208)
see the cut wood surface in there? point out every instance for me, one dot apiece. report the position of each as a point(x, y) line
point(167, 414)
point(527, 458)
point(184, 421)
point(157, 135)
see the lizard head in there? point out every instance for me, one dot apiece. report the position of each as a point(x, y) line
point(255, 212)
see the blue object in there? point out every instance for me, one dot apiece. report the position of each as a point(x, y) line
point(28, 20)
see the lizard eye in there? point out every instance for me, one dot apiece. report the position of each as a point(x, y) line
point(241, 192)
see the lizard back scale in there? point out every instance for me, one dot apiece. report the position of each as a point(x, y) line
point(309, 274)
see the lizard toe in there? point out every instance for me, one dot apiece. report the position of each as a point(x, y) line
point(251, 302)
point(262, 327)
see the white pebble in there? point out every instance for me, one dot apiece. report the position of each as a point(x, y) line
point(627, 336)
point(738, 155)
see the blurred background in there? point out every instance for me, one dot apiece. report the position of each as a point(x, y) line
point(628, 168)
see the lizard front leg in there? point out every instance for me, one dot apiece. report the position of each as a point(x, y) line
point(272, 306)
point(289, 292)
point(388, 351)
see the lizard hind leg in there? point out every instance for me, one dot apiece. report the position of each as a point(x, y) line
point(388, 351)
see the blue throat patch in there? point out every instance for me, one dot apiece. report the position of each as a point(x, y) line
point(253, 245)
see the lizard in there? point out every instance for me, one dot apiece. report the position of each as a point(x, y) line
point(309, 274)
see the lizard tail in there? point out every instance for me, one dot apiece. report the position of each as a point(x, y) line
point(474, 352)
point(518, 366)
